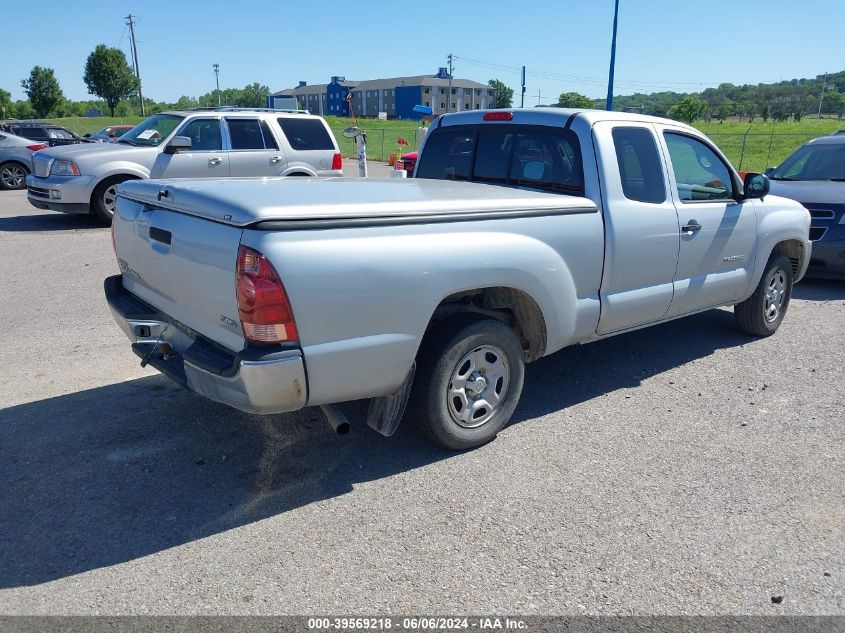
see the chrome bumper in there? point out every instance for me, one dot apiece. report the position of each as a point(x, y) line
point(258, 380)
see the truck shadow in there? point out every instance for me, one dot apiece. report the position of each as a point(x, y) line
point(108, 475)
point(819, 290)
point(48, 222)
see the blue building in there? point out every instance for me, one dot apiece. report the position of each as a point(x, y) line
point(396, 96)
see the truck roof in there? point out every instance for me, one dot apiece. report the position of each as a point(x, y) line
point(245, 201)
point(553, 116)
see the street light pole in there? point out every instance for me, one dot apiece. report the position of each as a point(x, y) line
point(217, 79)
point(609, 103)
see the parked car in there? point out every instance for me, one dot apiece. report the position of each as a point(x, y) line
point(15, 156)
point(521, 233)
point(47, 133)
point(220, 143)
point(814, 175)
point(409, 161)
point(109, 134)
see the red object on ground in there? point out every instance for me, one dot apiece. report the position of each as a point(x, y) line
point(402, 141)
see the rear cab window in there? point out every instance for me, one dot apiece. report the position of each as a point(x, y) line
point(306, 134)
point(640, 169)
point(536, 157)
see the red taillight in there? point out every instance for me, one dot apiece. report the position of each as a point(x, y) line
point(337, 161)
point(263, 304)
point(498, 116)
point(36, 147)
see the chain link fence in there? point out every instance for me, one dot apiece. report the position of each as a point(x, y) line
point(381, 142)
point(756, 152)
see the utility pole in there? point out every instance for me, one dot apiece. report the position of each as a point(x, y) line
point(821, 98)
point(609, 102)
point(539, 98)
point(522, 96)
point(449, 102)
point(217, 79)
point(130, 20)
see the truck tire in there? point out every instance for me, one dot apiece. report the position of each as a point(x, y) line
point(104, 197)
point(13, 175)
point(469, 379)
point(762, 313)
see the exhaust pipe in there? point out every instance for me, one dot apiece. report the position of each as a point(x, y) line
point(336, 419)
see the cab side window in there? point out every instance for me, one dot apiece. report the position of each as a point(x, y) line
point(699, 172)
point(640, 168)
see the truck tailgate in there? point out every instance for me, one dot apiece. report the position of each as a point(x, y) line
point(183, 265)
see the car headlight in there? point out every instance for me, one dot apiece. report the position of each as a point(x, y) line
point(64, 168)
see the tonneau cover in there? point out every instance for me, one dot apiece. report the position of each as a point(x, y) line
point(245, 201)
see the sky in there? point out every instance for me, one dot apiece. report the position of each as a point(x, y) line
point(565, 44)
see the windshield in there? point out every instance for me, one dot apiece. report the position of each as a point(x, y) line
point(152, 131)
point(813, 162)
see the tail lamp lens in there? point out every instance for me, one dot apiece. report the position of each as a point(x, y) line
point(263, 304)
point(498, 116)
point(36, 147)
point(337, 161)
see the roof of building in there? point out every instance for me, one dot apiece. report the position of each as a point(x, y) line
point(380, 84)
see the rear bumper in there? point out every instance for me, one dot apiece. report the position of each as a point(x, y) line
point(255, 380)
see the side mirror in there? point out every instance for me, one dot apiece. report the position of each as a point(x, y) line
point(770, 170)
point(178, 144)
point(755, 185)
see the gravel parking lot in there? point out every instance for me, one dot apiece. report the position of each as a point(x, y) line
point(682, 469)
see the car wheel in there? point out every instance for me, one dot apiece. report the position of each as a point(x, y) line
point(468, 383)
point(13, 176)
point(105, 197)
point(762, 313)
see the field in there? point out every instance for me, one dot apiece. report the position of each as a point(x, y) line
point(749, 147)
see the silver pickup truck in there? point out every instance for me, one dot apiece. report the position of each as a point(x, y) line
point(522, 232)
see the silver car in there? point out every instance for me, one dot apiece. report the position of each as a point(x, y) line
point(15, 156)
point(220, 143)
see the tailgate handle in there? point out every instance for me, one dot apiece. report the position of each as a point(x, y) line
point(163, 193)
point(160, 235)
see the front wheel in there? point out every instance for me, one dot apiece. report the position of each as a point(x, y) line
point(105, 197)
point(13, 176)
point(468, 383)
point(762, 313)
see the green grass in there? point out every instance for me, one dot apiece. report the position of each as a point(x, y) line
point(765, 144)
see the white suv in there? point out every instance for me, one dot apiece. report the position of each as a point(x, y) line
point(217, 143)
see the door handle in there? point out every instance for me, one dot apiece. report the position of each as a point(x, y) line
point(276, 159)
point(691, 227)
point(215, 161)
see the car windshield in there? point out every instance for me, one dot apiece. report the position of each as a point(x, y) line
point(152, 131)
point(813, 162)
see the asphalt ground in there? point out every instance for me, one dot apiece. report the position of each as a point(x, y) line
point(682, 469)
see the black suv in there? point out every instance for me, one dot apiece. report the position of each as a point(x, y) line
point(47, 133)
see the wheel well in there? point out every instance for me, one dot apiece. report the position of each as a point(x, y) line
point(118, 177)
point(794, 250)
point(17, 162)
point(512, 307)
point(299, 173)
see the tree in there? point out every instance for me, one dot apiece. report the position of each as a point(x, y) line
point(108, 76)
point(504, 95)
point(254, 96)
point(688, 109)
point(574, 100)
point(43, 90)
point(726, 109)
point(7, 110)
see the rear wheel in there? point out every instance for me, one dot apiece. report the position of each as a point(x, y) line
point(762, 313)
point(105, 196)
point(13, 175)
point(469, 381)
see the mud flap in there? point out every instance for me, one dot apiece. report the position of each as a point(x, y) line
point(385, 412)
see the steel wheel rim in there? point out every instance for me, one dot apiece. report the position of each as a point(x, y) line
point(109, 199)
point(13, 176)
point(775, 296)
point(478, 386)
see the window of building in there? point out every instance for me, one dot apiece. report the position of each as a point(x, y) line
point(426, 103)
point(443, 91)
point(425, 91)
point(454, 91)
point(453, 106)
point(442, 106)
point(639, 165)
point(699, 172)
